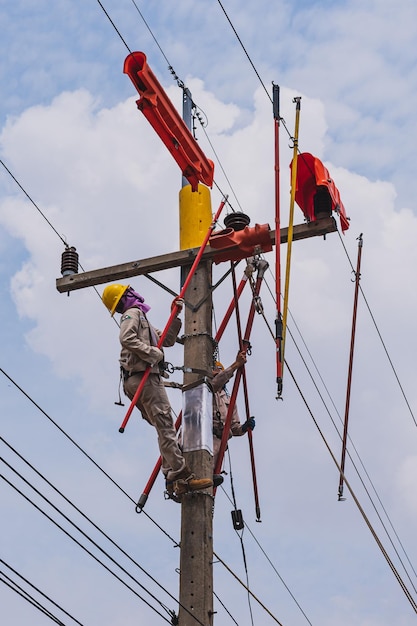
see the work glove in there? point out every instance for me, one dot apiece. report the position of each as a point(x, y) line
point(155, 356)
point(179, 303)
point(248, 425)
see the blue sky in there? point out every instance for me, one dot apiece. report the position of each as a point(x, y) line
point(71, 134)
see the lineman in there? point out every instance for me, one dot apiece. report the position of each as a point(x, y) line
point(139, 340)
point(221, 401)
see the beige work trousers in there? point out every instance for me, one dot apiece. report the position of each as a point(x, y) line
point(154, 405)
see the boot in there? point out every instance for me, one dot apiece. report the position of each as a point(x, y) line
point(185, 481)
point(217, 480)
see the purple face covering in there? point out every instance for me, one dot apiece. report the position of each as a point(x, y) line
point(133, 299)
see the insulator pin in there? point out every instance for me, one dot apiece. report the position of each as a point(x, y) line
point(69, 261)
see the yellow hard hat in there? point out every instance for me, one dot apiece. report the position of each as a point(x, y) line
point(112, 294)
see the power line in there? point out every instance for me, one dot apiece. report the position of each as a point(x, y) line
point(85, 517)
point(350, 456)
point(37, 590)
point(381, 339)
point(90, 459)
point(244, 50)
point(33, 202)
point(240, 535)
point(282, 121)
point(181, 84)
point(66, 435)
point(366, 519)
point(352, 493)
point(271, 563)
point(68, 534)
point(247, 589)
point(26, 596)
point(114, 26)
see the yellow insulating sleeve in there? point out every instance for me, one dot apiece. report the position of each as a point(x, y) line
point(195, 216)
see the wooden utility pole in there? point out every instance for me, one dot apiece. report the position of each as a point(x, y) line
point(196, 571)
point(196, 554)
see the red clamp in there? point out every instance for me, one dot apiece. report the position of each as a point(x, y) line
point(166, 121)
point(241, 244)
point(316, 194)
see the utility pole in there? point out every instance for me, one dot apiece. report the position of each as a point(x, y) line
point(196, 558)
point(196, 554)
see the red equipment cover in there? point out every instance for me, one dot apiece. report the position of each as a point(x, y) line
point(316, 194)
point(241, 244)
point(166, 121)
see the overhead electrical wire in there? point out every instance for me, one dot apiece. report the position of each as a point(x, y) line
point(265, 90)
point(350, 456)
point(33, 202)
point(244, 50)
point(26, 596)
point(361, 479)
point(365, 517)
point(394, 570)
point(175, 543)
point(47, 221)
point(288, 133)
point(247, 588)
point(341, 473)
point(87, 455)
point(354, 497)
point(270, 561)
point(36, 589)
point(65, 434)
point(225, 608)
point(76, 541)
point(381, 339)
point(105, 535)
point(181, 84)
point(366, 302)
point(239, 533)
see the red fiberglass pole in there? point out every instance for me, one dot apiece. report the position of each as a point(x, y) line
point(174, 312)
point(278, 320)
point(152, 478)
point(349, 382)
point(238, 376)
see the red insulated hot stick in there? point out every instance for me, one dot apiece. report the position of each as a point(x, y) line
point(245, 383)
point(238, 376)
point(175, 310)
point(254, 480)
point(144, 497)
point(227, 423)
point(152, 478)
point(231, 308)
point(278, 320)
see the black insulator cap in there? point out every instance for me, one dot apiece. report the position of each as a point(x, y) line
point(236, 220)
